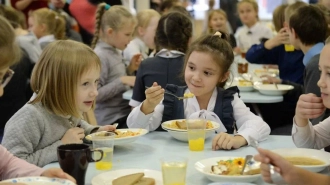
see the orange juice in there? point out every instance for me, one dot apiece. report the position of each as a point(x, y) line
point(106, 162)
point(196, 139)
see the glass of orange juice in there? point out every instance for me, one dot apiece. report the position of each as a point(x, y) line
point(196, 133)
point(104, 141)
point(174, 170)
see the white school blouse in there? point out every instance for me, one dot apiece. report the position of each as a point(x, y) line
point(136, 46)
point(246, 37)
point(248, 124)
point(309, 136)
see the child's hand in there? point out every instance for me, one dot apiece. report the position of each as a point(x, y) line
point(154, 96)
point(282, 166)
point(73, 135)
point(57, 173)
point(227, 142)
point(309, 106)
point(283, 36)
point(134, 63)
point(107, 128)
point(128, 80)
point(237, 50)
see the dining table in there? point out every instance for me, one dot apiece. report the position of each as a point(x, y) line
point(147, 150)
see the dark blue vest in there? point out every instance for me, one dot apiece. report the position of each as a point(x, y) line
point(173, 108)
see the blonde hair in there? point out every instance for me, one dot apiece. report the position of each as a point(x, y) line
point(55, 76)
point(10, 52)
point(292, 8)
point(279, 17)
point(143, 19)
point(212, 12)
point(53, 21)
point(113, 18)
point(253, 3)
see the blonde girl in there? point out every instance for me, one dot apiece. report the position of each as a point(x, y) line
point(65, 84)
point(147, 21)
point(114, 29)
point(206, 71)
point(12, 167)
point(47, 25)
point(217, 21)
point(252, 31)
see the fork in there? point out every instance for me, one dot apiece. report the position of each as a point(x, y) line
point(274, 175)
point(178, 97)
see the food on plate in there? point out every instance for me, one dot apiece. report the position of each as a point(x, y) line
point(127, 133)
point(244, 83)
point(181, 124)
point(232, 167)
point(134, 179)
point(188, 95)
point(304, 161)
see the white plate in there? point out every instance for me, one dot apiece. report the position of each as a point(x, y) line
point(125, 140)
point(204, 167)
point(39, 181)
point(270, 89)
point(165, 126)
point(230, 183)
point(106, 178)
point(271, 72)
point(241, 88)
point(305, 152)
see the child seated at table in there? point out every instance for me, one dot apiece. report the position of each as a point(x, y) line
point(10, 166)
point(206, 70)
point(65, 84)
point(311, 106)
point(252, 30)
point(147, 21)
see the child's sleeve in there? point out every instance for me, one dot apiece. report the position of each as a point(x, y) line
point(12, 167)
point(108, 90)
point(310, 136)
point(258, 54)
point(22, 136)
point(137, 119)
point(88, 127)
point(249, 124)
point(131, 50)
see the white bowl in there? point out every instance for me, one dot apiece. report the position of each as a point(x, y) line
point(270, 89)
point(305, 152)
point(39, 181)
point(182, 135)
point(204, 167)
point(124, 140)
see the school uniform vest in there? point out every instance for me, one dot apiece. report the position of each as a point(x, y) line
point(173, 108)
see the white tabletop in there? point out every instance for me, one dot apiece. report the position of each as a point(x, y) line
point(145, 153)
point(247, 97)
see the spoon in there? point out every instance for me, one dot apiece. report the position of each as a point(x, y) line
point(247, 160)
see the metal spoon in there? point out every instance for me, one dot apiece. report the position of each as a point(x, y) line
point(247, 160)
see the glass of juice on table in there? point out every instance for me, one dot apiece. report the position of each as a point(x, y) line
point(104, 141)
point(174, 170)
point(196, 133)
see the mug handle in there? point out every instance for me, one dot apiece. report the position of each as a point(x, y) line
point(97, 160)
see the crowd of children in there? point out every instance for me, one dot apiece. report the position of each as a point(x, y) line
point(52, 80)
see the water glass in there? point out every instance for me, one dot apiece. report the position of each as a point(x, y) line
point(104, 141)
point(174, 170)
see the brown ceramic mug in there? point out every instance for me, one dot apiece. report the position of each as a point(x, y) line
point(74, 159)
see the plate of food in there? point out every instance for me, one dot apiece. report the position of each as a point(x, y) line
point(308, 159)
point(39, 181)
point(123, 136)
point(228, 169)
point(178, 129)
point(271, 72)
point(272, 89)
point(129, 177)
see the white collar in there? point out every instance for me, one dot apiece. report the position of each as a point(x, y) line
point(165, 53)
point(253, 28)
point(47, 38)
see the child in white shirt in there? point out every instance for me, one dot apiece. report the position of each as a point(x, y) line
point(206, 71)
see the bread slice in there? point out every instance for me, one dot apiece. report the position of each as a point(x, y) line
point(181, 124)
point(146, 181)
point(131, 179)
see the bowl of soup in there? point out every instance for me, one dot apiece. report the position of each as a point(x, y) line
point(309, 159)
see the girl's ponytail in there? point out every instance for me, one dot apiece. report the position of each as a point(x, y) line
point(99, 13)
point(59, 31)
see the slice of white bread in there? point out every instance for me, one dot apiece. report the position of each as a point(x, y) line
point(146, 181)
point(134, 179)
point(128, 179)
